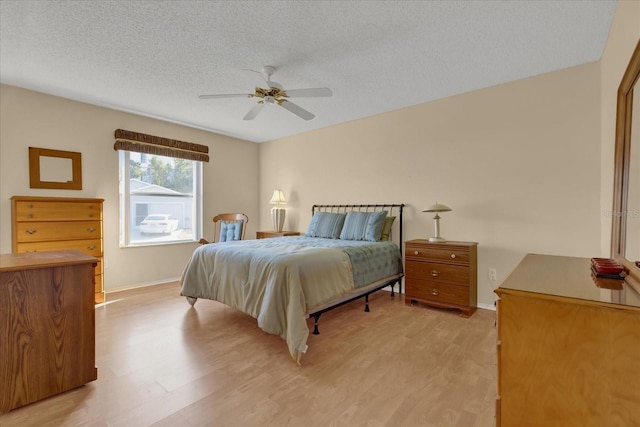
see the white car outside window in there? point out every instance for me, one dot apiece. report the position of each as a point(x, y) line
point(159, 223)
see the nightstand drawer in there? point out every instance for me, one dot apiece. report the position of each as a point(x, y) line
point(437, 292)
point(442, 273)
point(450, 253)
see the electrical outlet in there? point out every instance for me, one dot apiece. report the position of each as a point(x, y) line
point(493, 275)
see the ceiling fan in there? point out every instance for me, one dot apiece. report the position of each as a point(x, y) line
point(275, 94)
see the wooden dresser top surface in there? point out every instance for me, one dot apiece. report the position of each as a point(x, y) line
point(31, 260)
point(567, 277)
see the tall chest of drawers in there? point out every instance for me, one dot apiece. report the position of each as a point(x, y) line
point(59, 223)
point(442, 274)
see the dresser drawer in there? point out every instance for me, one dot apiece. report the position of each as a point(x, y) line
point(52, 211)
point(437, 292)
point(48, 231)
point(92, 247)
point(449, 253)
point(442, 273)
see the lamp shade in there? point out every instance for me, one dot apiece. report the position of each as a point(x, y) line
point(437, 208)
point(278, 198)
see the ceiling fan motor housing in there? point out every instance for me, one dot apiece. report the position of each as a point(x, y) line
point(275, 94)
point(268, 70)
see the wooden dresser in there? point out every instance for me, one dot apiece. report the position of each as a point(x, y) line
point(268, 234)
point(57, 223)
point(568, 348)
point(442, 274)
point(47, 325)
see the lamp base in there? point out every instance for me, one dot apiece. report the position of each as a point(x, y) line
point(437, 238)
point(277, 215)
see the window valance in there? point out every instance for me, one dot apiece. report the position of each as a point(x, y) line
point(150, 144)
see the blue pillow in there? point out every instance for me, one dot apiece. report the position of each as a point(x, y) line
point(230, 230)
point(363, 226)
point(326, 224)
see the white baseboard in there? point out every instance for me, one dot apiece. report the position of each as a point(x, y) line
point(491, 307)
point(140, 285)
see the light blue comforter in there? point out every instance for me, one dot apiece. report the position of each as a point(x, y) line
point(280, 280)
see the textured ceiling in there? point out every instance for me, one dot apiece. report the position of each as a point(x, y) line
point(155, 57)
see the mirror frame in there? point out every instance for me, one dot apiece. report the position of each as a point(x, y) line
point(621, 170)
point(34, 169)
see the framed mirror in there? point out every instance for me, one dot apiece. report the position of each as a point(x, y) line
point(625, 232)
point(55, 169)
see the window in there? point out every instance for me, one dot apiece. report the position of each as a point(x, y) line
point(159, 199)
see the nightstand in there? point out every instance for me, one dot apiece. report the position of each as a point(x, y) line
point(442, 274)
point(267, 234)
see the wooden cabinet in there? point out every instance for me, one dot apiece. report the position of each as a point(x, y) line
point(442, 274)
point(267, 234)
point(568, 348)
point(58, 223)
point(47, 325)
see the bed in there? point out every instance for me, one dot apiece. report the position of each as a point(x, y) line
point(347, 252)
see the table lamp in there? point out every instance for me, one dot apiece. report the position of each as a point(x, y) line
point(437, 208)
point(278, 211)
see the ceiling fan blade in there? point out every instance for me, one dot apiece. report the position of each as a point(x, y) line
point(309, 92)
point(228, 95)
point(254, 111)
point(297, 110)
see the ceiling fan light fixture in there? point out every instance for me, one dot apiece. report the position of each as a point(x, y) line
point(275, 94)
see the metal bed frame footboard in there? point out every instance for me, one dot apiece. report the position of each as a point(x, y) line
point(394, 209)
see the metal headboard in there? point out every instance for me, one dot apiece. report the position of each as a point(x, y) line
point(391, 207)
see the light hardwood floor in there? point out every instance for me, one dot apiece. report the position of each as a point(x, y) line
point(162, 363)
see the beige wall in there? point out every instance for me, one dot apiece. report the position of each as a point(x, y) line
point(33, 119)
point(526, 166)
point(622, 40)
point(518, 163)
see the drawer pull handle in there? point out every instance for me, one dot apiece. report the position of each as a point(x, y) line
point(415, 252)
point(435, 273)
point(90, 215)
point(91, 229)
point(30, 231)
point(31, 251)
point(434, 292)
point(30, 206)
point(91, 247)
point(30, 216)
point(453, 255)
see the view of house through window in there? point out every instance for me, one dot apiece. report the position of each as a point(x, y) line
point(159, 199)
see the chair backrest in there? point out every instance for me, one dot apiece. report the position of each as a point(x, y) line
point(228, 226)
